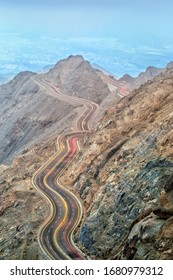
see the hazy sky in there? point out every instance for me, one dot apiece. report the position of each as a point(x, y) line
point(121, 18)
point(121, 35)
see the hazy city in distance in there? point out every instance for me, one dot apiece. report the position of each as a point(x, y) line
point(120, 36)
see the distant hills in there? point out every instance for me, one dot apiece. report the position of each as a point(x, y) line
point(122, 174)
point(22, 121)
point(143, 77)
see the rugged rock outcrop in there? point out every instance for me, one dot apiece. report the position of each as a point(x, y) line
point(123, 172)
point(31, 118)
point(29, 115)
point(76, 76)
point(124, 177)
point(22, 209)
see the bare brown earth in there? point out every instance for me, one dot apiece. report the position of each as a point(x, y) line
point(22, 209)
point(29, 114)
point(31, 119)
point(124, 176)
point(76, 76)
point(123, 173)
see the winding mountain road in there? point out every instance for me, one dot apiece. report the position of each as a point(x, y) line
point(56, 235)
point(122, 87)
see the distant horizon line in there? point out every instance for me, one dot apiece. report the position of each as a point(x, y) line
point(99, 67)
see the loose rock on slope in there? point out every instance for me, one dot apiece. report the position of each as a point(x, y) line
point(124, 177)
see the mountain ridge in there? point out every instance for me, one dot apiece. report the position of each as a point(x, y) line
point(23, 123)
point(143, 77)
point(76, 75)
point(122, 173)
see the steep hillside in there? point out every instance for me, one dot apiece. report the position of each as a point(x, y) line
point(29, 114)
point(124, 176)
point(22, 209)
point(123, 172)
point(31, 119)
point(76, 76)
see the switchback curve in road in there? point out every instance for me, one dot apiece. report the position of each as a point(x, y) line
point(56, 235)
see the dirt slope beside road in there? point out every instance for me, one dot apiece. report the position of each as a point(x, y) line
point(124, 177)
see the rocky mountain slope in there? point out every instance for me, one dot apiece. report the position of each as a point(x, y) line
point(29, 115)
point(123, 172)
point(23, 209)
point(30, 121)
point(144, 77)
point(75, 75)
point(124, 176)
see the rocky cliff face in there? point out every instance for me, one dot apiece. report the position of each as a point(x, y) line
point(29, 115)
point(123, 172)
point(76, 76)
point(22, 209)
point(30, 121)
point(125, 177)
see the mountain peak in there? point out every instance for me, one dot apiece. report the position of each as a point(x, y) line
point(127, 78)
point(75, 57)
point(169, 65)
point(76, 75)
point(22, 76)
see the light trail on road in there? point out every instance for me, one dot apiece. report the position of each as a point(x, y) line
point(56, 235)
